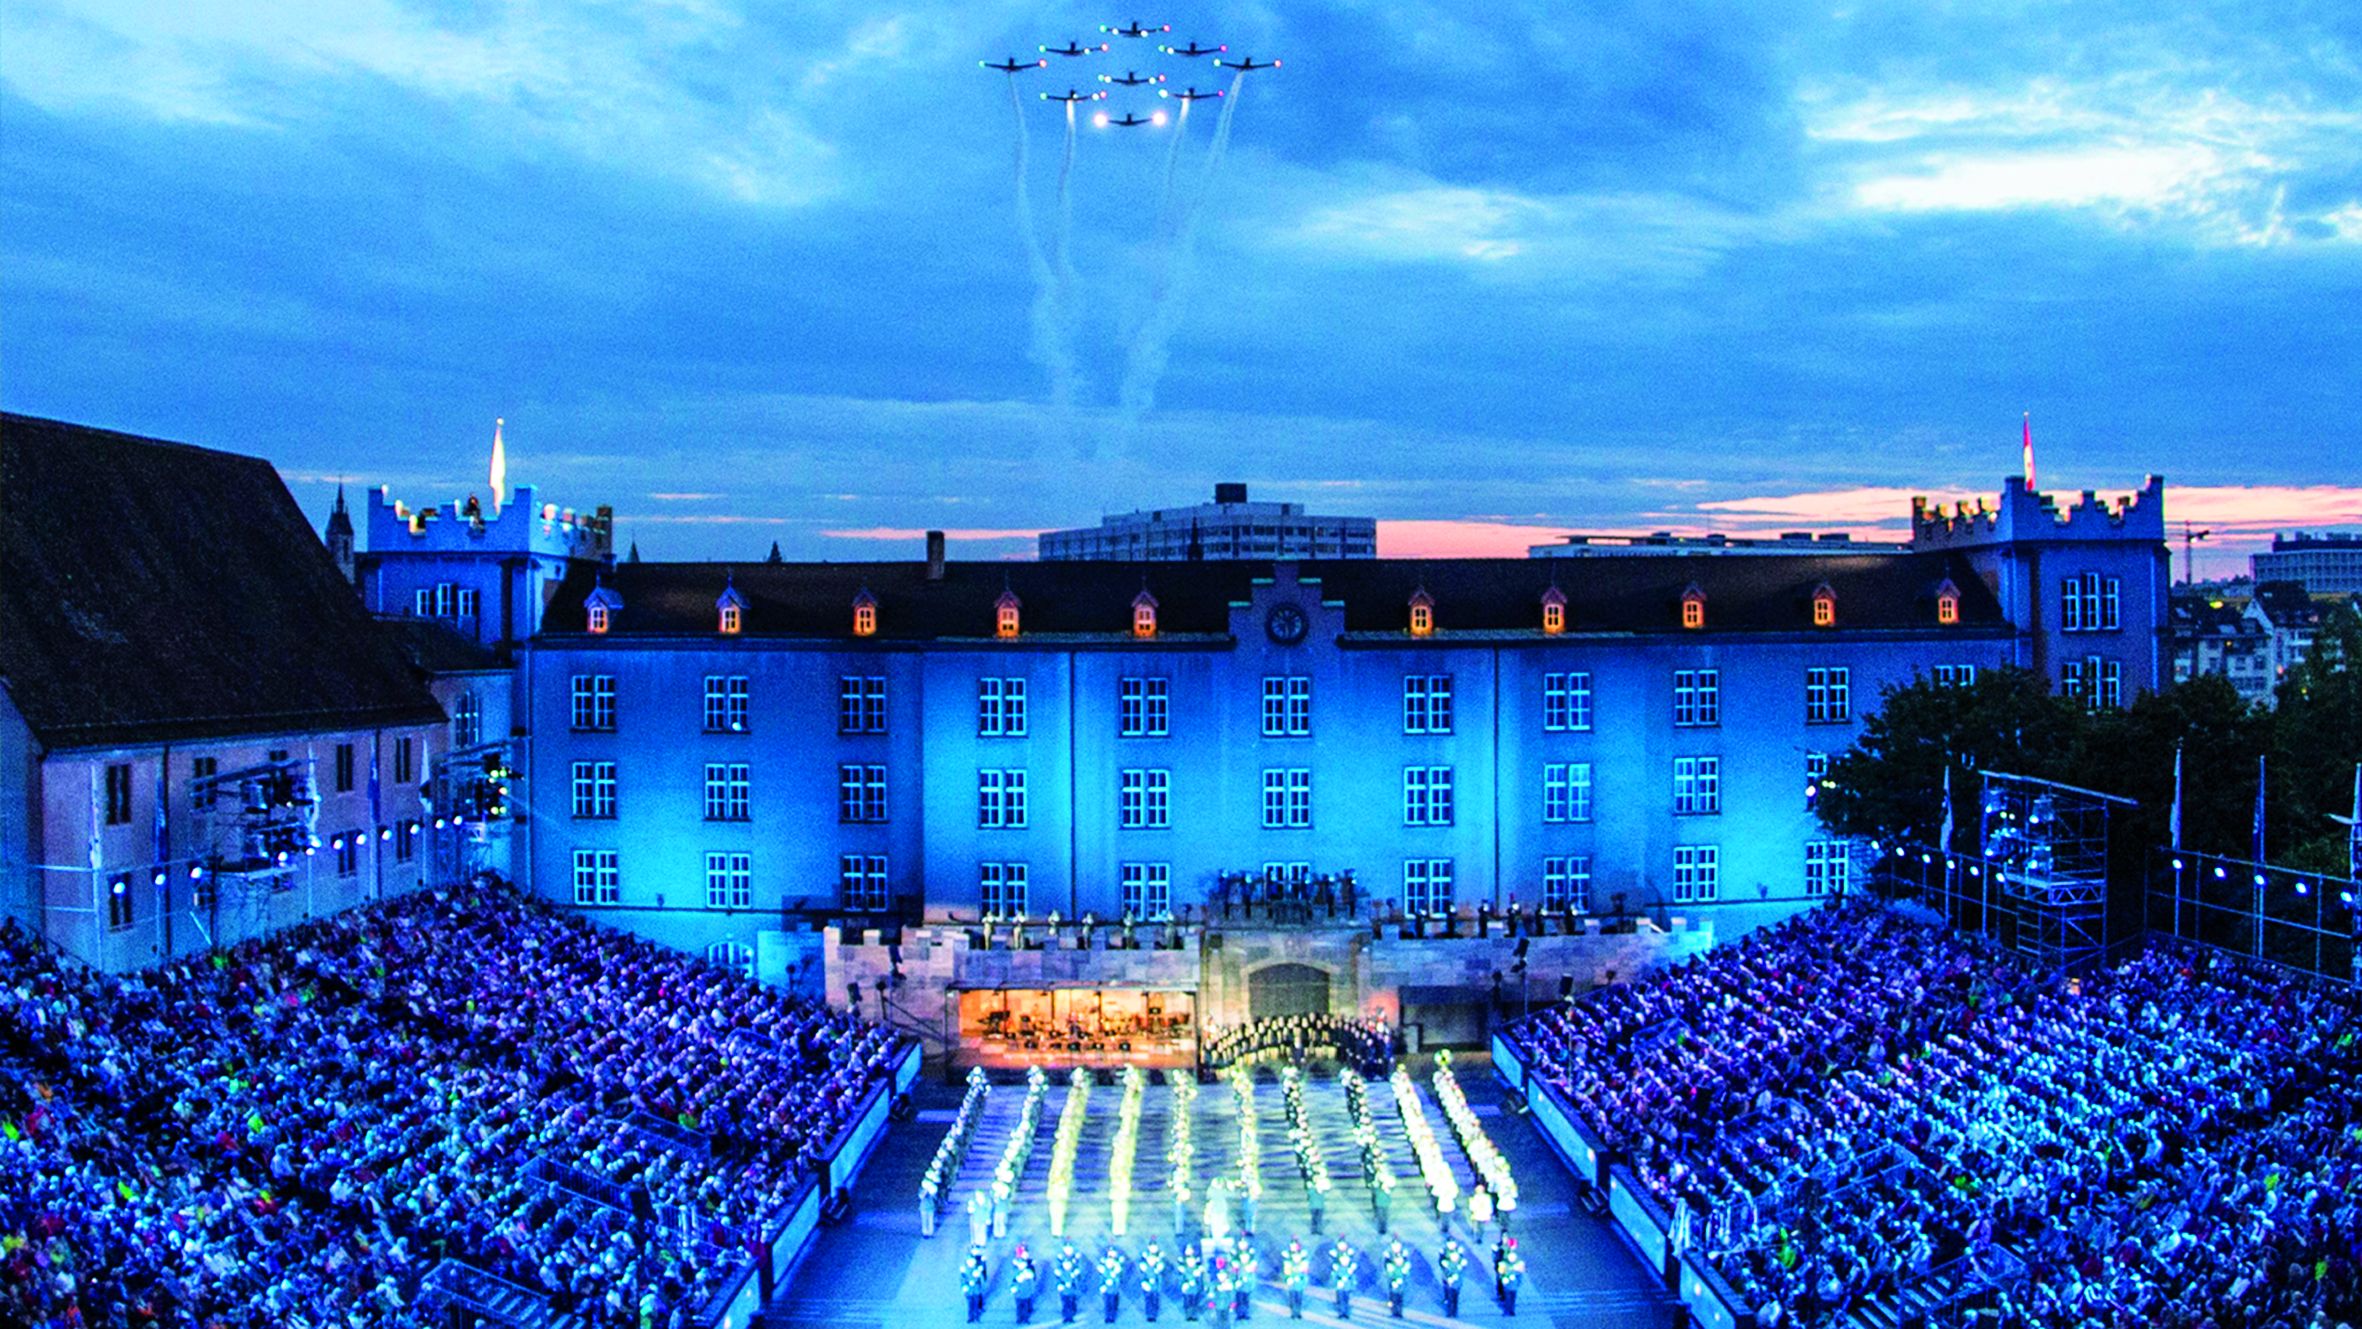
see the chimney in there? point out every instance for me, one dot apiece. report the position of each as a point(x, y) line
point(934, 556)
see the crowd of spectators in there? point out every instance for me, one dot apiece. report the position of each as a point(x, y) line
point(295, 1131)
point(1858, 1108)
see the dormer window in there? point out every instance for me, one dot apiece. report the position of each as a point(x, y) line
point(865, 615)
point(1554, 611)
point(1143, 614)
point(1004, 615)
point(1693, 607)
point(732, 610)
point(598, 609)
point(730, 618)
point(1947, 604)
point(1422, 613)
point(1824, 606)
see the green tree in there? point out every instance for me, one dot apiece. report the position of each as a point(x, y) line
point(2131, 754)
point(2316, 738)
point(1889, 786)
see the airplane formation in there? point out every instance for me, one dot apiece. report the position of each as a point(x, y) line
point(1131, 78)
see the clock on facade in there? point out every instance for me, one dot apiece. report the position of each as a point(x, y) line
point(1284, 624)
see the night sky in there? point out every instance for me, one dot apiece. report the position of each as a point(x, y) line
point(1489, 272)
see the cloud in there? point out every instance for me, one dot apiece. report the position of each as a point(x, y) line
point(903, 533)
point(684, 498)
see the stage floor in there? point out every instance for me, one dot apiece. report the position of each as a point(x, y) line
point(876, 1270)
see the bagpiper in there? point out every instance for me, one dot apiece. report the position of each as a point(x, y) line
point(1069, 1274)
point(1250, 1273)
point(973, 1277)
point(1111, 1282)
point(1344, 1263)
point(1450, 1266)
point(1508, 1272)
point(1398, 1275)
point(1193, 1281)
point(1295, 1274)
point(1152, 1280)
point(1022, 1284)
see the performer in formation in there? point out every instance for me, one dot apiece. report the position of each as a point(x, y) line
point(1250, 1272)
point(1193, 1281)
point(1295, 1274)
point(1344, 1263)
point(1508, 1272)
point(1069, 1272)
point(973, 1278)
point(1450, 1267)
point(1398, 1275)
point(1111, 1282)
point(1022, 1282)
point(1152, 1280)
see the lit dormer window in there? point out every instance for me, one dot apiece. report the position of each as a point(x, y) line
point(1143, 614)
point(1554, 611)
point(1004, 615)
point(598, 608)
point(1947, 604)
point(1422, 613)
point(732, 609)
point(1824, 606)
point(865, 615)
point(598, 618)
point(1693, 607)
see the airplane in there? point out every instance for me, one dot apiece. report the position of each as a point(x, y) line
point(1103, 120)
point(1073, 95)
point(1132, 80)
point(1247, 64)
point(1073, 49)
point(1135, 30)
point(1013, 65)
point(1193, 49)
point(1188, 94)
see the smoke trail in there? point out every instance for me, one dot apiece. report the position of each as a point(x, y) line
point(1151, 346)
point(1164, 199)
point(1050, 349)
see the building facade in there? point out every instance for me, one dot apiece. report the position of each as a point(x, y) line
point(1229, 527)
point(203, 738)
point(2329, 563)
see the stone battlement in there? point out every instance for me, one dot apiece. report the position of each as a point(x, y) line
point(470, 526)
point(2027, 514)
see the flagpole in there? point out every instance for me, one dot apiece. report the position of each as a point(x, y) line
point(2257, 871)
point(2176, 829)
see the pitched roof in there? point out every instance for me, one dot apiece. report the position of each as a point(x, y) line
point(154, 591)
point(1094, 598)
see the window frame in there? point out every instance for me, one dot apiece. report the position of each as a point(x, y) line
point(594, 789)
point(1828, 694)
point(1697, 698)
point(729, 879)
point(598, 876)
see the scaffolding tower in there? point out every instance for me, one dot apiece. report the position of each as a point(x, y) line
point(2046, 845)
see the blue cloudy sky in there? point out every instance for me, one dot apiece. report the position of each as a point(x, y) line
point(1488, 271)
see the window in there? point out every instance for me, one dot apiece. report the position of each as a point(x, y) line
point(1816, 772)
point(1553, 611)
point(727, 792)
point(2090, 603)
point(594, 703)
point(1693, 608)
point(596, 880)
point(865, 617)
point(1427, 885)
point(1000, 799)
point(1422, 615)
point(348, 853)
point(1566, 791)
point(861, 705)
point(1002, 888)
point(1287, 706)
point(1148, 890)
point(1566, 702)
point(729, 881)
point(344, 768)
point(1824, 608)
point(422, 602)
point(734, 956)
point(2096, 681)
point(119, 794)
point(405, 760)
point(1697, 873)
point(1828, 695)
point(1287, 798)
point(1145, 799)
point(1000, 708)
point(1287, 872)
point(1948, 607)
point(1142, 708)
point(1004, 615)
point(732, 617)
point(1697, 698)
point(202, 769)
point(1427, 704)
point(406, 840)
point(470, 602)
point(1826, 866)
point(861, 793)
point(1566, 883)
point(467, 720)
point(121, 906)
point(1143, 615)
point(1426, 795)
point(725, 704)
point(1697, 786)
point(1955, 675)
point(598, 618)
point(594, 790)
point(861, 879)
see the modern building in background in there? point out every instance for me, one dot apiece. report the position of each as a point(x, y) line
point(1229, 527)
point(203, 736)
point(2329, 563)
point(2213, 637)
point(1666, 542)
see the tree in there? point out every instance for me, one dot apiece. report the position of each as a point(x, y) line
point(2316, 736)
point(2131, 754)
point(1889, 786)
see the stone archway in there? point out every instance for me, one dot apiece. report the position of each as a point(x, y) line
point(1287, 989)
